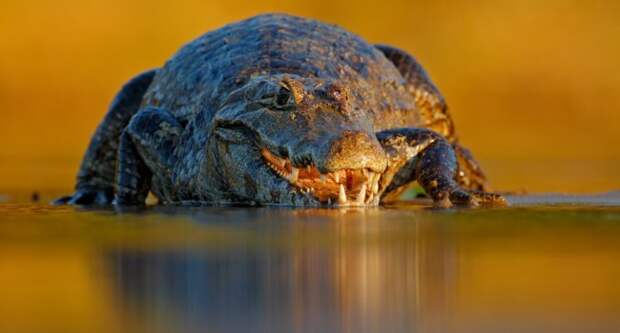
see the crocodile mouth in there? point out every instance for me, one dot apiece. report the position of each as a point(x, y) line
point(346, 187)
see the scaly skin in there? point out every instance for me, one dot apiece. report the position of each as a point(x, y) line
point(281, 110)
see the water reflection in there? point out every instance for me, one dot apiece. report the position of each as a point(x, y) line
point(357, 277)
point(398, 269)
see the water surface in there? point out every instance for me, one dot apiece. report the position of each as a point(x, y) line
point(547, 264)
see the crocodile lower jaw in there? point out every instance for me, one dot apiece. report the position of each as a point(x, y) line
point(346, 187)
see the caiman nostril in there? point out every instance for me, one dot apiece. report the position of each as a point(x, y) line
point(354, 150)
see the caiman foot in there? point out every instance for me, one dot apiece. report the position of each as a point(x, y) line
point(87, 196)
point(460, 197)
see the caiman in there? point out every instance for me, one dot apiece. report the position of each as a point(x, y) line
point(279, 110)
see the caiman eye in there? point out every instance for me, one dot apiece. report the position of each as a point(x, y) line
point(283, 98)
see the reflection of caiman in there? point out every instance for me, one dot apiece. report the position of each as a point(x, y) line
point(279, 110)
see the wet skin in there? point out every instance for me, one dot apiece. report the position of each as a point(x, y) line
point(279, 110)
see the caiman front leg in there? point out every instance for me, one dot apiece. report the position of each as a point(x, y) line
point(146, 148)
point(95, 179)
point(418, 154)
point(434, 114)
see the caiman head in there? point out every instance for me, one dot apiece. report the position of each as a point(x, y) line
point(284, 139)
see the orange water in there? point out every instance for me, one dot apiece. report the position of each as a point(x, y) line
point(399, 269)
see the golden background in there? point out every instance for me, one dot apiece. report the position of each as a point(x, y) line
point(534, 86)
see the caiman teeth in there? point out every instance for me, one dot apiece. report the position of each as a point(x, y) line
point(342, 195)
point(374, 181)
point(342, 188)
point(361, 195)
point(294, 175)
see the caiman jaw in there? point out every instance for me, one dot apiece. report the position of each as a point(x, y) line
point(347, 187)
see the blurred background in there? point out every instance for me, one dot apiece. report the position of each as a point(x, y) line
point(534, 86)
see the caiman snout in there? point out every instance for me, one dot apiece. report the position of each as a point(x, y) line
point(353, 150)
point(346, 170)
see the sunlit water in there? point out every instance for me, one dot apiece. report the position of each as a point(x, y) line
point(547, 264)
